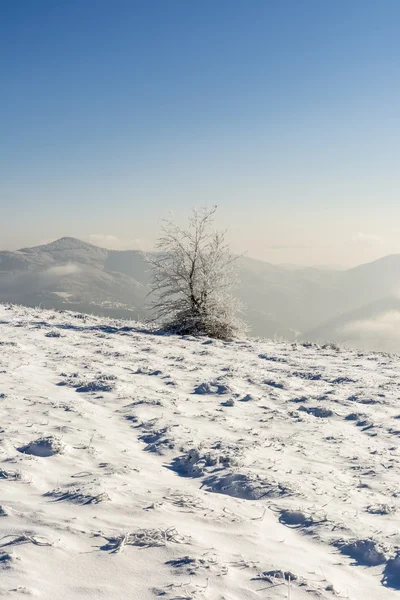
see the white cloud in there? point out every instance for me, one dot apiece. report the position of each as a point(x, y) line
point(366, 237)
point(112, 242)
point(101, 238)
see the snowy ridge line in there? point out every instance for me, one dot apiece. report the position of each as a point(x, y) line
point(183, 467)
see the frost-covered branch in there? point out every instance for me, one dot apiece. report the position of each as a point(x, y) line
point(193, 273)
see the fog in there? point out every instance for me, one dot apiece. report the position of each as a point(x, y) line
point(62, 270)
point(379, 333)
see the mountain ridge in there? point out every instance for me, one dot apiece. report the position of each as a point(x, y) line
point(69, 273)
point(63, 243)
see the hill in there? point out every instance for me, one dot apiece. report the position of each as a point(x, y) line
point(72, 274)
point(281, 301)
point(135, 465)
point(69, 273)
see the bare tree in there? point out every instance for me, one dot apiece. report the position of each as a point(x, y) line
point(193, 273)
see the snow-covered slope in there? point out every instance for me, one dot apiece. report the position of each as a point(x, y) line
point(139, 466)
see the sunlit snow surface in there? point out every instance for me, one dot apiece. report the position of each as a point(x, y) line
point(137, 466)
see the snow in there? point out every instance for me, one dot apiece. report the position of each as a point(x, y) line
point(134, 465)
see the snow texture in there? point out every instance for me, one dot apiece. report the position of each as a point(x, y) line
point(135, 465)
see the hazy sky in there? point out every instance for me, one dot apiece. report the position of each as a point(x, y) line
point(285, 113)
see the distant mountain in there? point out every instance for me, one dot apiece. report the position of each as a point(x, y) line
point(72, 274)
point(65, 244)
point(282, 301)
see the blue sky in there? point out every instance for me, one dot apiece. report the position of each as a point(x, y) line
point(285, 113)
